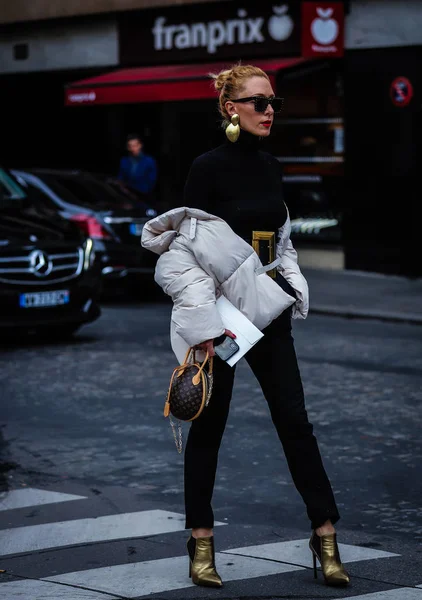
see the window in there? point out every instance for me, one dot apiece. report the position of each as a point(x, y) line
point(9, 188)
point(39, 197)
point(319, 140)
point(94, 194)
point(59, 190)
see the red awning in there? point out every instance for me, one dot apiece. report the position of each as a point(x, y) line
point(157, 84)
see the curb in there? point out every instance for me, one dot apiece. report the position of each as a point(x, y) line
point(355, 313)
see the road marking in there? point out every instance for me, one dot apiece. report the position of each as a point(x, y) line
point(33, 497)
point(164, 575)
point(151, 577)
point(30, 589)
point(156, 576)
point(298, 552)
point(169, 570)
point(85, 531)
point(395, 594)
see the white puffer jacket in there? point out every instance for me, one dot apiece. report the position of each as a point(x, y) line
point(200, 258)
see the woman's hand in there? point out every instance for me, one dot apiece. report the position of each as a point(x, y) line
point(208, 345)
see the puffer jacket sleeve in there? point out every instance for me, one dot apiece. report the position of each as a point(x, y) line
point(290, 270)
point(192, 290)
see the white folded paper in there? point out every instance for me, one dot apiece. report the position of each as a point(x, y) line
point(247, 335)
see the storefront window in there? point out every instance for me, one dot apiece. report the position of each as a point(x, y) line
point(311, 152)
point(319, 140)
point(308, 141)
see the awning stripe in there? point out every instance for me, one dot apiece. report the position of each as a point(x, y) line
point(158, 84)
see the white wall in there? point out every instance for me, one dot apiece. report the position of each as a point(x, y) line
point(370, 24)
point(19, 11)
point(61, 47)
point(384, 23)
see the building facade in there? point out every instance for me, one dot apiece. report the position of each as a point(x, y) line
point(24, 11)
point(81, 75)
point(383, 136)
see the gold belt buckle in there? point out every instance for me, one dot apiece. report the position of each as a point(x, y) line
point(263, 242)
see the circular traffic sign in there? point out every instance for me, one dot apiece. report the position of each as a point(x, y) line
point(401, 91)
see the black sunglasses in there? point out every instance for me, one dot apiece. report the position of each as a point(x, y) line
point(261, 102)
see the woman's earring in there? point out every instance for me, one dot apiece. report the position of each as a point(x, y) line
point(233, 129)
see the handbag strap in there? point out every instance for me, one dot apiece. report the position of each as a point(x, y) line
point(188, 353)
point(197, 378)
point(167, 404)
point(178, 437)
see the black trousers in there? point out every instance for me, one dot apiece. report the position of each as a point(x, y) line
point(274, 363)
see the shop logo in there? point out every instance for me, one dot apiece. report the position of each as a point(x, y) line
point(212, 35)
point(324, 29)
point(281, 26)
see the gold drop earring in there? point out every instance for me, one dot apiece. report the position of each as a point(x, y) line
point(233, 129)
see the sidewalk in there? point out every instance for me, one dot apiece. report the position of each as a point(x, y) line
point(357, 294)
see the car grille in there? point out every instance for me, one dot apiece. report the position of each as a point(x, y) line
point(39, 267)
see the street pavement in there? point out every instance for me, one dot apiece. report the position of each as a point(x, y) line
point(92, 505)
point(357, 294)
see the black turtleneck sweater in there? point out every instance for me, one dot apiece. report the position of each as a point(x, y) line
point(239, 183)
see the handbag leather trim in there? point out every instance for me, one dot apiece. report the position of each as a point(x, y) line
point(200, 376)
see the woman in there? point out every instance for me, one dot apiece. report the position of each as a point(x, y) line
point(234, 198)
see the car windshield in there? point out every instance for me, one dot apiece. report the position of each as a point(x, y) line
point(9, 188)
point(123, 188)
point(92, 194)
point(59, 190)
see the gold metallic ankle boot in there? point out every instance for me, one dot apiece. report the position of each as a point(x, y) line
point(202, 562)
point(325, 549)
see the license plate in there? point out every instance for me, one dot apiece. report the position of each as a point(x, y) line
point(136, 228)
point(43, 299)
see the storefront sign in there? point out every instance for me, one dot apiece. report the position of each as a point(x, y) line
point(82, 97)
point(322, 29)
point(401, 91)
point(210, 32)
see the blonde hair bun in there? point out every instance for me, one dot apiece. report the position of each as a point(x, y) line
point(220, 79)
point(230, 82)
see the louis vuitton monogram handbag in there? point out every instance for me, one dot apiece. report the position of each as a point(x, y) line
point(189, 392)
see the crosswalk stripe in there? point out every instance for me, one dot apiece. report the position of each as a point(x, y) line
point(84, 531)
point(150, 577)
point(298, 552)
point(395, 594)
point(33, 497)
point(47, 590)
point(30, 589)
point(244, 563)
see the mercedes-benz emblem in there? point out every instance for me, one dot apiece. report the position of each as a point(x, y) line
point(41, 263)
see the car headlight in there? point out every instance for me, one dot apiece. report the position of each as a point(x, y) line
point(89, 251)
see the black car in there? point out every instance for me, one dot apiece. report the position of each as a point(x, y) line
point(50, 280)
point(112, 219)
point(151, 199)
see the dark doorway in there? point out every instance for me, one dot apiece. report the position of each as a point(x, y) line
point(383, 158)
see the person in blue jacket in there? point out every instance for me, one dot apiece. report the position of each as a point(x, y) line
point(138, 170)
